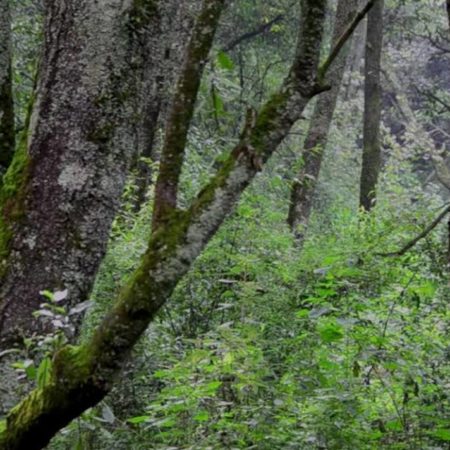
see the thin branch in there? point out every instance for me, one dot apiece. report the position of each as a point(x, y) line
point(182, 110)
point(422, 235)
point(262, 29)
point(344, 38)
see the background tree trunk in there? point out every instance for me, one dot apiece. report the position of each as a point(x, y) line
point(7, 134)
point(371, 160)
point(303, 188)
point(159, 75)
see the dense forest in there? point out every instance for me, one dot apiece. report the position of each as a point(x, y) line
point(224, 224)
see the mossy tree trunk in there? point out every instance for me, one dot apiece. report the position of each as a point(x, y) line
point(371, 159)
point(63, 187)
point(83, 375)
point(7, 134)
point(304, 186)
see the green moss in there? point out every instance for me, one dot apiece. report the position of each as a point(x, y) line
point(12, 196)
point(267, 119)
point(72, 364)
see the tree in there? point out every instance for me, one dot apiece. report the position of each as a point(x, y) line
point(63, 188)
point(303, 188)
point(83, 375)
point(371, 160)
point(7, 134)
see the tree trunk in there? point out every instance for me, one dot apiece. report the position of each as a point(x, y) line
point(303, 188)
point(82, 376)
point(371, 159)
point(159, 76)
point(7, 134)
point(63, 187)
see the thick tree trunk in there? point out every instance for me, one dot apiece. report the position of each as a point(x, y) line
point(83, 375)
point(371, 160)
point(7, 134)
point(303, 188)
point(63, 187)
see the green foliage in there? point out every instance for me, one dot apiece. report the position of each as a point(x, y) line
point(267, 346)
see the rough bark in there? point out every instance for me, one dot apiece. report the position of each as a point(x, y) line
point(7, 134)
point(63, 187)
point(83, 375)
point(303, 188)
point(371, 159)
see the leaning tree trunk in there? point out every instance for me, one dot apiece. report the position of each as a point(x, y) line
point(371, 159)
point(7, 135)
point(303, 188)
point(83, 375)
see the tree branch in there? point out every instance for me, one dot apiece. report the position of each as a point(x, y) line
point(263, 28)
point(343, 39)
point(182, 110)
point(422, 235)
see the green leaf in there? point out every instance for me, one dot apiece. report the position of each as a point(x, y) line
point(303, 313)
point(443, 434)
point(202, 416)
point(44, 372)
point(138, 419)
point(330, 331)
point(211, 388)
point(224, 61)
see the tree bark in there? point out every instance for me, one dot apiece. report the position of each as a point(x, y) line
point(371, 158)
point(304, 186)
point(83, 375)
point(63, 187)
point(7, 133)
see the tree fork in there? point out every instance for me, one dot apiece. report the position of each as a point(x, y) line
point(83, 375)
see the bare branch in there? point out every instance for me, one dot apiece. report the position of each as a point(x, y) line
point(422, 235)
point(343, 39)
point(263, 28)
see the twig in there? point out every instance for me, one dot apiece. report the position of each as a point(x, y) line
point(343, 39)
point(424, 233)
point(263, 28)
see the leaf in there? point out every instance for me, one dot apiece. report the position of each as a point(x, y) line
point(212, 387)
point(59, 296)
point(44, 372)
point(443, 434)
point(330, 331)
point(202, 416)
point(303, 313)
point(80, 307)
point(47, 294)
point(224, 61)
point(138, 419)
point(107, 414)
